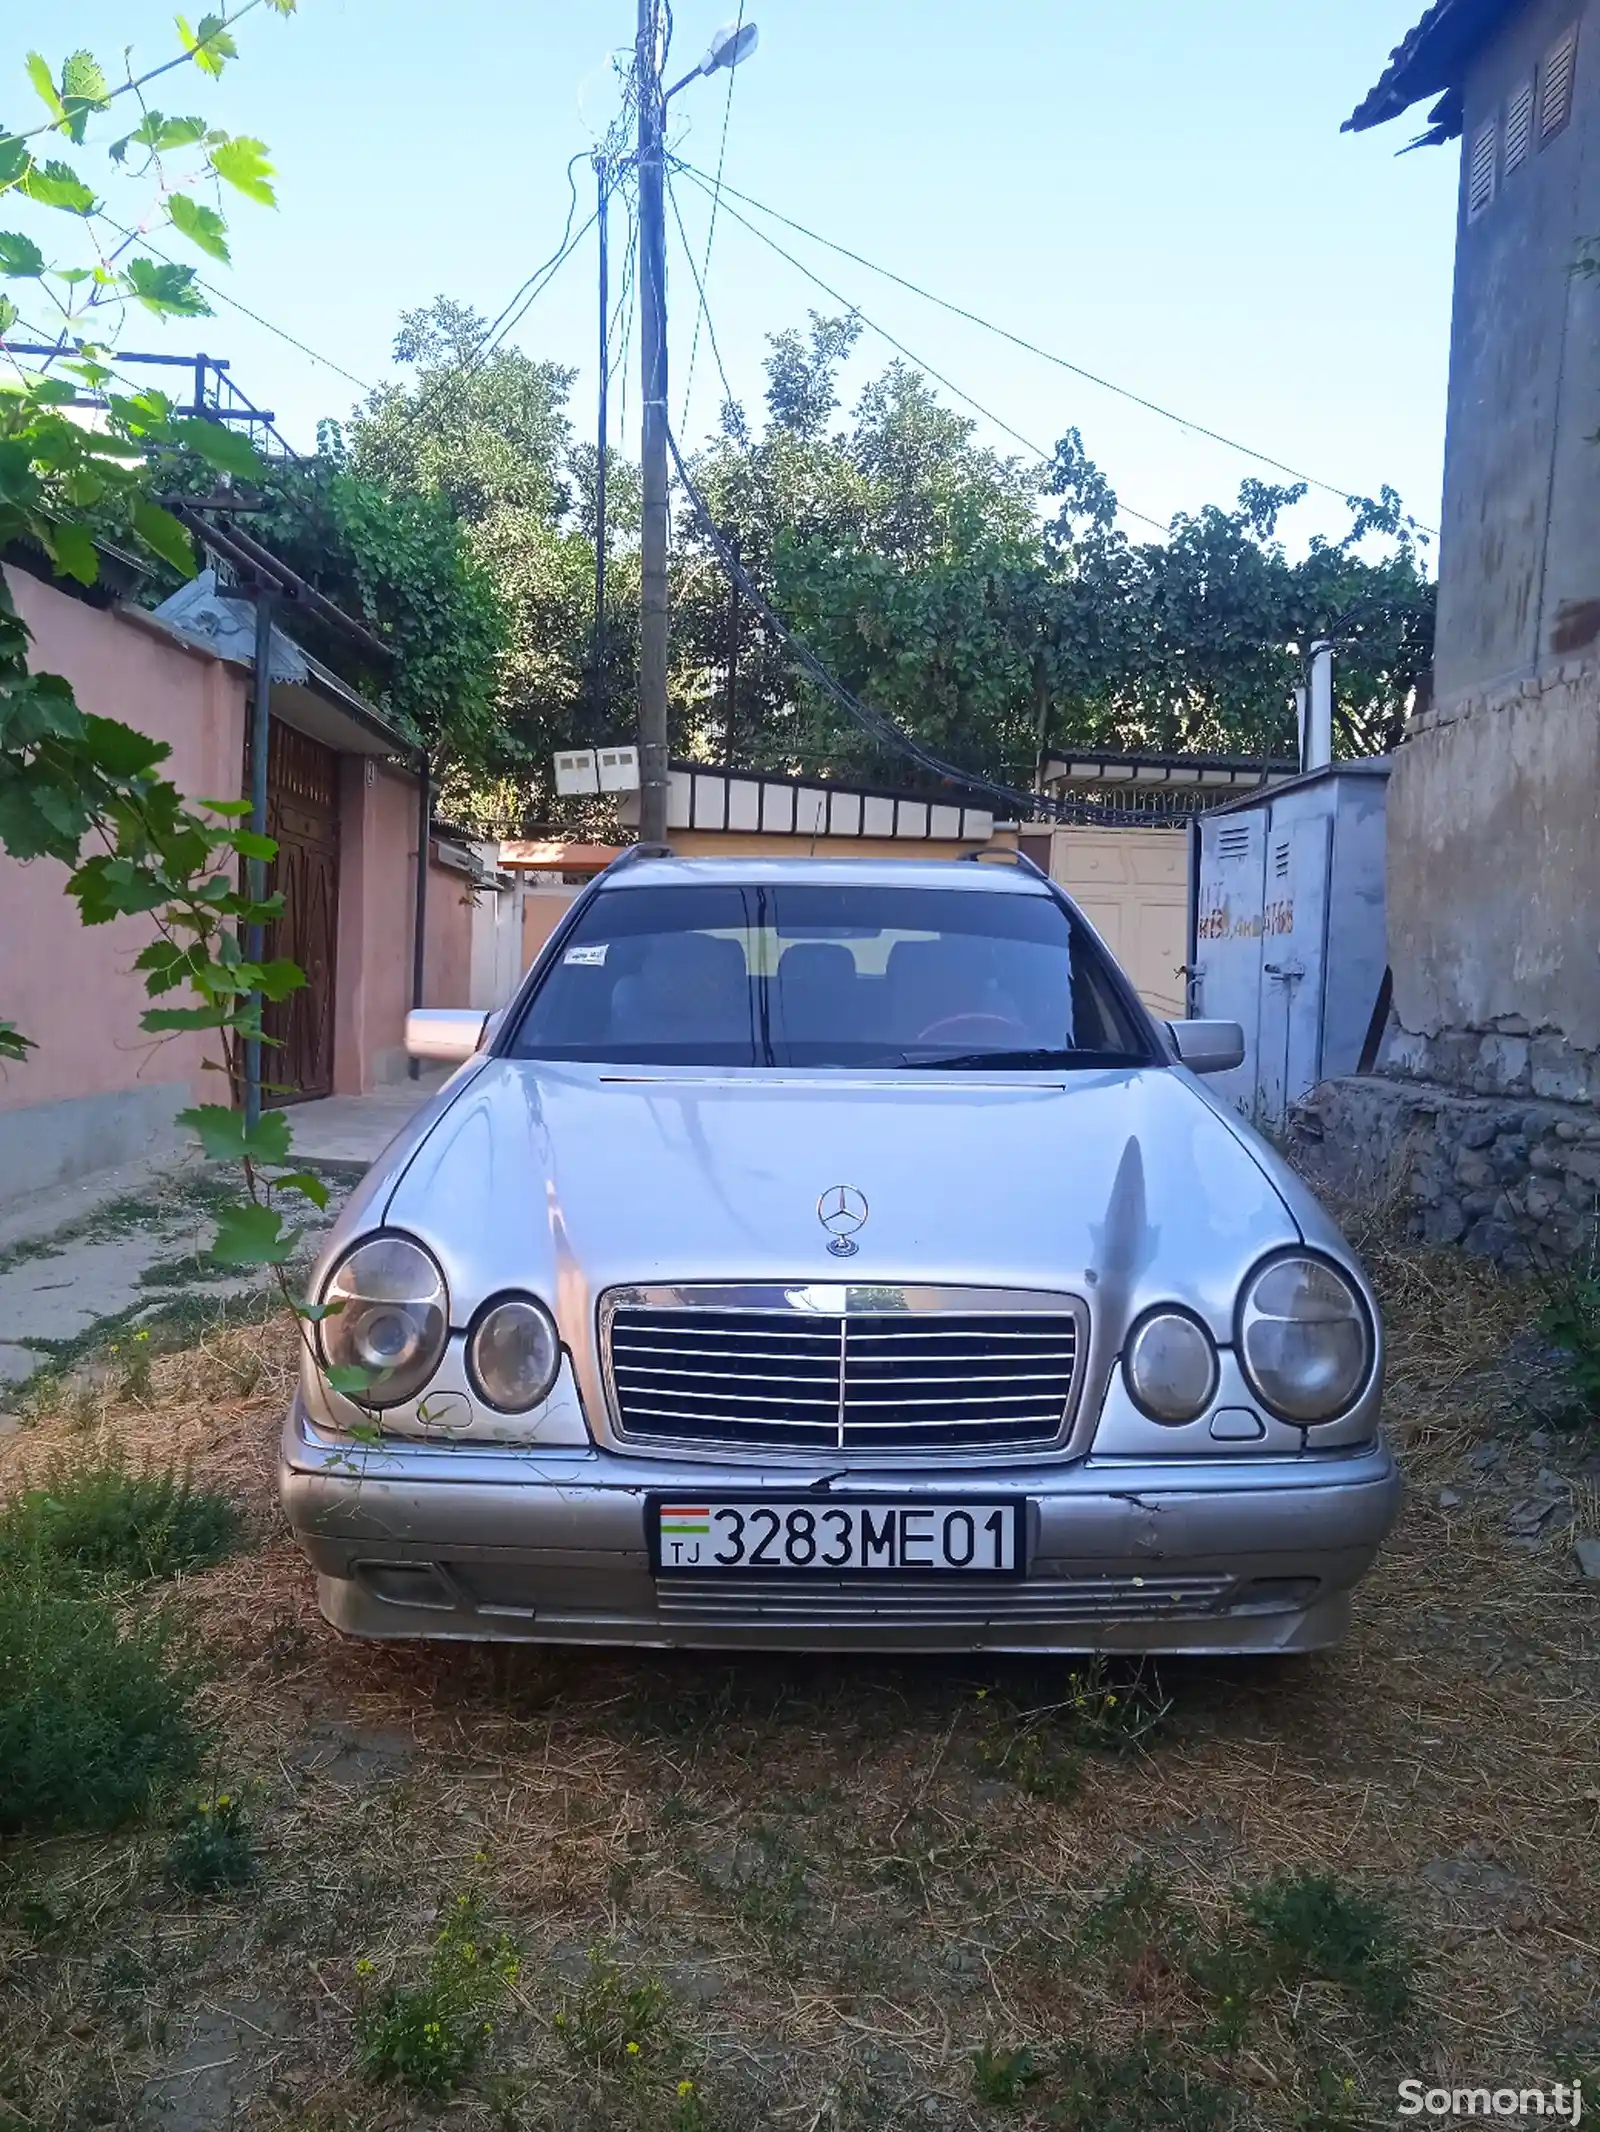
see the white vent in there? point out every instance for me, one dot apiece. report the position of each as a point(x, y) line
point(1555, 99)
point(1233, 842)
point(1519, 126)
point(1280, 859)
point(1480, 170)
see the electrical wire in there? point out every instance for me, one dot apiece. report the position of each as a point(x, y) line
point(510, 317)
point(703, 315)
point(876, 724)
point(704, 275)
point(629, 297)
point(211, 289)
point(1047, 355)
point(1045, 458)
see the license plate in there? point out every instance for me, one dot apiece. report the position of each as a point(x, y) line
point(707, 1533)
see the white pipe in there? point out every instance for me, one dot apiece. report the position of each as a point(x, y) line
point(1300, 723)
point(1319, 715)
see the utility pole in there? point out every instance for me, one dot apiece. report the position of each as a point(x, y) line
point(653, 395)
point(598, 647)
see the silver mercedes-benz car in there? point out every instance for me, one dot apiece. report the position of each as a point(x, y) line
point(836, 1254)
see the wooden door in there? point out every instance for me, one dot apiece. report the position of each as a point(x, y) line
point(303, 815)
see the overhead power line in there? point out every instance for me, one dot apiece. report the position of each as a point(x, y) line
point(883, 333)
point(703, 315)
point(702, 279)
point(1017, 340)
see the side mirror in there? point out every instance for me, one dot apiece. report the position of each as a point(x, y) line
point(447, 1035)
point(1207, 1047)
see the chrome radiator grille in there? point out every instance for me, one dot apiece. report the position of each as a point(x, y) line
point(982, 1377)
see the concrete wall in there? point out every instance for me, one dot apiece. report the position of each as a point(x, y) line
point(1494, 863)
point(98, 1091)
point(1519, 561)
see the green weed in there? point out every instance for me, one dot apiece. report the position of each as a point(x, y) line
point(93, 1715)
point(766, 1877)
point(1131, 1918)
point(1231, 1974)
point(428, 2037)
point(214, 1847)
point(1315, 1928)
point(611, 2022)
point(1140, 2090)
point(113, 1523)
point(1033, 1761)
point(1570, 1320)
point(1001, 2076)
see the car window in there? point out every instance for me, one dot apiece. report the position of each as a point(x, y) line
point(790, 975)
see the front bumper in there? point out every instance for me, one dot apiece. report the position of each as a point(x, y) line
point(548, 1546)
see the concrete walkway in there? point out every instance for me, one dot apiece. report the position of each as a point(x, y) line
point(357, 1129)
point(112, 1253)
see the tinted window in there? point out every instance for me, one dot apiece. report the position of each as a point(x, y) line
point(796, 976)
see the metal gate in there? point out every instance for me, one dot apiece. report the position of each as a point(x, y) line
point(303, 815)
point(1225, 982)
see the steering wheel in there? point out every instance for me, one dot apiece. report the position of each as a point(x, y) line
point(954, 1027)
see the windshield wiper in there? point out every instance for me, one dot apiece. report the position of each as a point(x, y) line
point(1022, 1061)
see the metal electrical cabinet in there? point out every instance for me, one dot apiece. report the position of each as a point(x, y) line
point(1286, 930)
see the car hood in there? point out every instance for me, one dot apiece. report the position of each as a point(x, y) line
point(1120, 1186)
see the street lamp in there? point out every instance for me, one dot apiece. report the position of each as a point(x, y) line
point(734, 42)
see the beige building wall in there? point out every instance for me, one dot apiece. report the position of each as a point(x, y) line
point(1133, 887)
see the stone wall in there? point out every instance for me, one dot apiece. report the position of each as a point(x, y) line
point(1518, 1183)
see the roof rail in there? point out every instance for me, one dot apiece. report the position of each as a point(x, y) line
point(635, 852)
point(1010, 854)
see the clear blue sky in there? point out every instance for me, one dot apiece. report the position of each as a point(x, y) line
point(1159, 190)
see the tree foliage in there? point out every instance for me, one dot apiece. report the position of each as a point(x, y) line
point(995, 612)
point(86, 791)
point(485, 438)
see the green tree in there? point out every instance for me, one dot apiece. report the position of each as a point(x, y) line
point(486, 437)
point(993, 612)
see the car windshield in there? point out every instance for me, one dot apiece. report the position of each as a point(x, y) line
point(788, 975)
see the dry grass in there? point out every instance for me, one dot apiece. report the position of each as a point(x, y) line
point(824, 1863)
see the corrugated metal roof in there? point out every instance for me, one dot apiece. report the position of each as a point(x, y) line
point(1430, 61)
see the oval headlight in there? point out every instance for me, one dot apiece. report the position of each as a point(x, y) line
point(513, 1353)
point(1171, 1366)
point(392, 1322)
point(1305, 1339)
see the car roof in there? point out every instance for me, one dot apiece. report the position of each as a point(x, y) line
point(990, 878)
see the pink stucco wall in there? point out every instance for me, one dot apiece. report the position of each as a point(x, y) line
point(74, 989)
point(377, 866)
point(377, 911)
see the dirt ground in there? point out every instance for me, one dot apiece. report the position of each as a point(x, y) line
point(860, 1893)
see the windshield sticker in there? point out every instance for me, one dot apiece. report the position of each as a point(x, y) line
point(587, 957)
